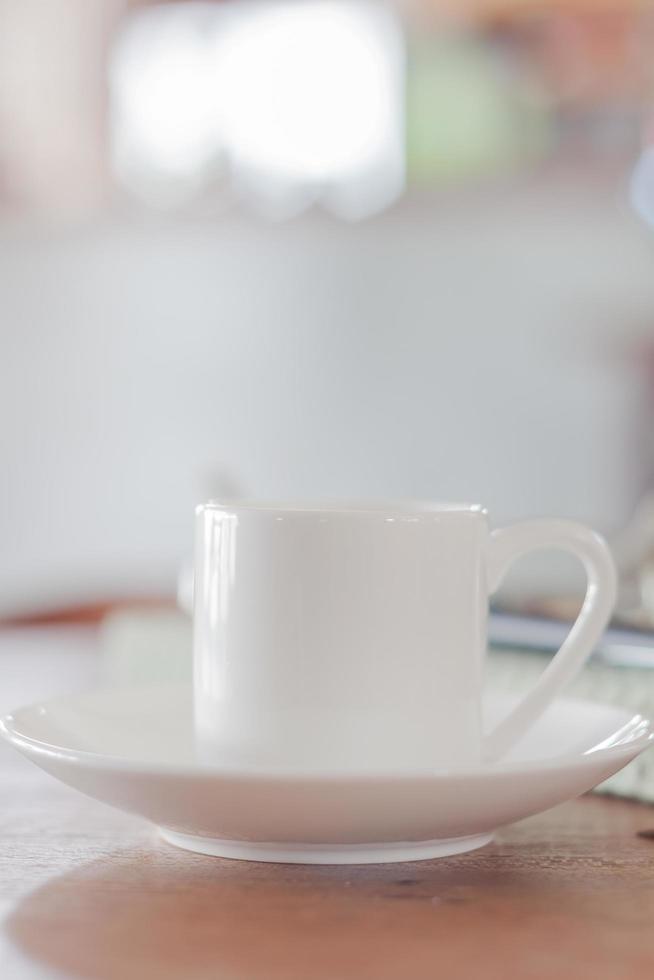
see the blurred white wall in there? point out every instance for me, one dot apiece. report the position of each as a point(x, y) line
point(470, 347)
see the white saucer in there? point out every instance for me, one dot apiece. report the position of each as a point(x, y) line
point(134, 750)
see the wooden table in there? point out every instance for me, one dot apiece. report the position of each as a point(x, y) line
point(89, 892)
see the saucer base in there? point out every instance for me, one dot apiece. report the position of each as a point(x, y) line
point(289, 853)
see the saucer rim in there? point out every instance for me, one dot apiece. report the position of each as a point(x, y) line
point(638, 736)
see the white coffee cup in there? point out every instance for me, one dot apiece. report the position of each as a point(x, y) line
point(353, 637)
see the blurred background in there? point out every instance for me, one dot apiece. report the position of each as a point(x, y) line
point(319, 248)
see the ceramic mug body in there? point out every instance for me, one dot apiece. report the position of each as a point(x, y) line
point(341, 639)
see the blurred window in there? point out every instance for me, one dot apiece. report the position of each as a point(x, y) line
point(284, 103)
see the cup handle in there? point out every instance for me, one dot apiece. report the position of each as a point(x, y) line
point(507, 545)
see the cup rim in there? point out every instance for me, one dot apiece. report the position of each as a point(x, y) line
point(373, 507)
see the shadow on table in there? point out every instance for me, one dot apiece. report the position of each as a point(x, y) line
point(574, 888)
point(163, 913)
